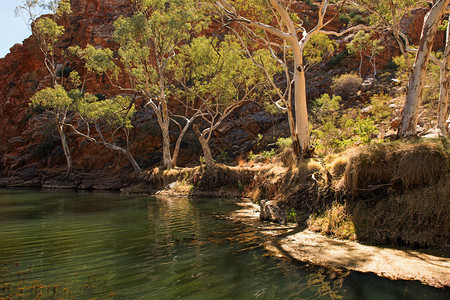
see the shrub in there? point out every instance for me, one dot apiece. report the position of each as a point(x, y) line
point(268, 155)
point(284, 143)
point(335, 221)
point(346, 85)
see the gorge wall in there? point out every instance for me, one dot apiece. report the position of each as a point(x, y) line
point(29, 146)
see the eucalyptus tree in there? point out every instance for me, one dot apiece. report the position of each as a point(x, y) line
point(287, 32)
point(216, 77)
point(147, 43)
point(47, 33)
point(115, 114)
point(46, 29)
point(388, 14)
point(432, 20)
point(363, 43)
point(444, 83)
point(55, 100)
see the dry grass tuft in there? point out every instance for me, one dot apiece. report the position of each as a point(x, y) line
point(421, 165)
point(335, 221)
point(338, 167)
point(416, 218)
point(393, 165)
point(220, 175)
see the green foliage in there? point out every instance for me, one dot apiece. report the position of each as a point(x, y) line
point(45, 28)
point(48, 32)
point(292, 215)
point(365, 129)
point(52, 98)
point(390, 11)
point(430, 92)
point(335, 60)
point(318, 46)
point(326, 105)
point(335, 133)
point(75, 79)
point(251, 156)
point(402, 74)
point(219, 72)
point(364, 45)
point(241, 187)
point(268, 155)
point(354, 14)
point(344, 18)
point(380, 108)
point(346, 85)
point(223, 156)
point(151, 35)
point(96, 60)
point(284, 143)
point(444, 25)
point(117, 111)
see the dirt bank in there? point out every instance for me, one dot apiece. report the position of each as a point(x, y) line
point(306, 246)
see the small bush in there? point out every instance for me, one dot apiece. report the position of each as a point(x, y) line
point(335, 60)
point(268, 155)
point(284, 143)
point(335, 221)
point(347, 85)
point(223, 157)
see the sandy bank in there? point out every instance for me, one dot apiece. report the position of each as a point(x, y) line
point(307, 246)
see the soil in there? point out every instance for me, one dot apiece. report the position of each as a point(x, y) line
point(299, 244)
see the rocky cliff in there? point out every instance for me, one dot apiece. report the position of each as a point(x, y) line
point(29, 147)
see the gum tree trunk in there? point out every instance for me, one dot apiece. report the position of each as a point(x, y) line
point(414, 92)
point(205, 147)
point(444, 86)
point(65, 146)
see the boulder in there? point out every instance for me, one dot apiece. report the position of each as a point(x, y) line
point(272, 211)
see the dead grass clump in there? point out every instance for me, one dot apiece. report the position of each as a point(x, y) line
point(305, 172)
point(338, 167)
point(372, 166)
point(376, 168)
point(220, 175)
point(335, 221)
point(267, 183)
point(416, 218)
point(307, 189)
point(159, 178)
point(420, 165)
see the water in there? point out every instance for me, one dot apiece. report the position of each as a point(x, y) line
point(57, 245)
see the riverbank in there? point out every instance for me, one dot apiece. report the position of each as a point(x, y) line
point(385, 194)
point(293, 242)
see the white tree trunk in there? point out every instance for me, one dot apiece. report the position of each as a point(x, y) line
point(176, 151)
point(301, 112)
point(132, 161)
point(444, 86)
point(167, 160)
point(416, 81)
point(65, 146)
point(205, 147)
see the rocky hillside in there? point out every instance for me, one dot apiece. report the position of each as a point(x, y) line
point(29, 146)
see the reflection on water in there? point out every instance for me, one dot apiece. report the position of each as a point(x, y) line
point(57, 245)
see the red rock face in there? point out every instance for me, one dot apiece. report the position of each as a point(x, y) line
point(27, 139)
point(19, 77)
point(22, 73)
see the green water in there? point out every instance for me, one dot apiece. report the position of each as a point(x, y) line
point(57, 245)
